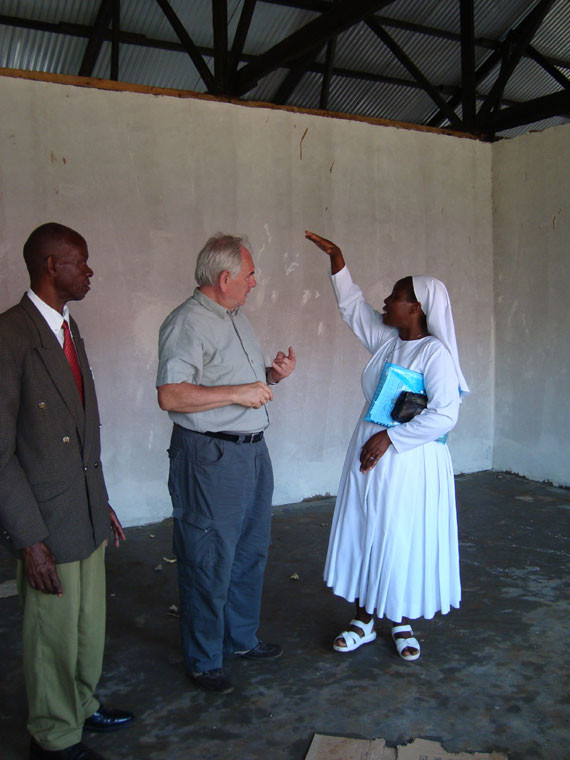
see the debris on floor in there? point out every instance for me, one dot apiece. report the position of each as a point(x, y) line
point(341, 748)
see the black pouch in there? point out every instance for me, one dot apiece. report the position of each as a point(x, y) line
point(408, 405)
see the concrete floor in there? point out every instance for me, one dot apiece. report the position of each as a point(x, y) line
point(492, 676)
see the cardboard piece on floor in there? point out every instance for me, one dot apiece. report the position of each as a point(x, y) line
point(8, 588)
point(340, 748)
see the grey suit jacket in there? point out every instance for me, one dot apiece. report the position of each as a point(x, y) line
point(51, 481)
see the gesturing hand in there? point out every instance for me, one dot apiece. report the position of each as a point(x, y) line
point(325, 245)
point(40, 569)
point(373, 450)
point(283, 365)
point(330, 248)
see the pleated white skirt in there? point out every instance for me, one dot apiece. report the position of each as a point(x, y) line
point(393, 543)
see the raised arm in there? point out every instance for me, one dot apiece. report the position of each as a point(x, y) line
point(332, 250)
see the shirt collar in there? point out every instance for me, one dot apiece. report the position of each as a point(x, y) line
point(51, 316)
point(216, 308)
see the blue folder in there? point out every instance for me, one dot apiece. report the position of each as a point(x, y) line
point(393, 380)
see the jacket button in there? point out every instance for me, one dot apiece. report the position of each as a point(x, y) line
point(96, 465)
point(42, 404)
point(85, 468)
point(65, 439)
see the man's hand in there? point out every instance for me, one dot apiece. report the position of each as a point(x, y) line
point(252, 395)
point(116, 527)
point(40, 569)
point(282, 366)
point(373, 450)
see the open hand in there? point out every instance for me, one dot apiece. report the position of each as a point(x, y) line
point(331, 249)
point(325, 245)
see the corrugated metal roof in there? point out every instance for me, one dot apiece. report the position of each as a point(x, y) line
point(358, 49)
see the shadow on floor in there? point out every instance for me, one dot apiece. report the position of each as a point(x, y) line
point(493, 675)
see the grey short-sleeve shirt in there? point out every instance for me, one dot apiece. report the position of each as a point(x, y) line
point(202, 343)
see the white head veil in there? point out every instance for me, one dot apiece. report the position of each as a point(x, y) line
point(434, 298)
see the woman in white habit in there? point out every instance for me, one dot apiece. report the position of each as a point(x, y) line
point(393, 547)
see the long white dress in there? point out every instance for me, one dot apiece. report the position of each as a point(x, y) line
point(393, 543)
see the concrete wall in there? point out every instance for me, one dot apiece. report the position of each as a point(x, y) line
point(147, 179)
point(531, 191)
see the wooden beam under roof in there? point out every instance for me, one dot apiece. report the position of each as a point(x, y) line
point(341, 16)
point(546, 107)
point(115, 41)
point(406, 61)
point(467, 20)
point(327, 76)
point(220, 25)
point(239, 39)
point(96, 38)
point(188, 44)
point(517, 42)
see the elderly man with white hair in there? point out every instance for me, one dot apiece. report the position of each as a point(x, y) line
point(213, 382)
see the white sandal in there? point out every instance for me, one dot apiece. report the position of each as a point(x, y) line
point(354, 640)
point(410, 641)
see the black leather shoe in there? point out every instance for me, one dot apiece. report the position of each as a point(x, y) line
point(75, 752)
point(213, 680)
point(263, 651)
point(107, 719)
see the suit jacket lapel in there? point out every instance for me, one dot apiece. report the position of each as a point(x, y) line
point(53, 358)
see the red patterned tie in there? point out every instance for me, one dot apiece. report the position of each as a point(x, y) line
point(71, 356)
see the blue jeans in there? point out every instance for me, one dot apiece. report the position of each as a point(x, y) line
point(221, 494)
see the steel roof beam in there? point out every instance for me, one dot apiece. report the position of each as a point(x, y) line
point(131, 38)
point(220, 25)
point(327, 76)
point(239, 39)
point(79, 30)
point(517, 42)
point(319, 6)
point(548, 67)
point(409, 26)
point(188, 45)
point(298, 69)
point(546, 107)
point(468, 63)
point(96, 38)
point(426, 85)
point(115, 41)
point(341, 16)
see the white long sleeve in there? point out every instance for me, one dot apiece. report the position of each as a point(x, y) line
point(442, 390)
point(364, 321)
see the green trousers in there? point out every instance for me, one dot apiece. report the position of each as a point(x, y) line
point(62, 647)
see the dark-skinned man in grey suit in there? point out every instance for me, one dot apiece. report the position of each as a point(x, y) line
point(53, 501)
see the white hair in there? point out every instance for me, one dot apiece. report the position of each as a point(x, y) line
point(222, 253)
